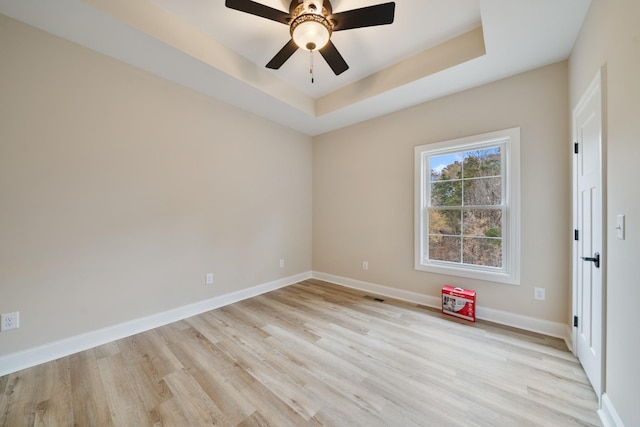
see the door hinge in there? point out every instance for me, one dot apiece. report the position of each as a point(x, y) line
point(575, 321)
point(575, 147)
point(576, 235)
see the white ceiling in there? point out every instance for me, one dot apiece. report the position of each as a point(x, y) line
point(221, 52)
point(365, 49)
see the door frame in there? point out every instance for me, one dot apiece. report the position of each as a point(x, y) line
point(598, 83)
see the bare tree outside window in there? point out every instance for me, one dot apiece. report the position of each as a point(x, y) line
point(465, 213)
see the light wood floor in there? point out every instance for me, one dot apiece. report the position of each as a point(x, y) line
point(310, 354)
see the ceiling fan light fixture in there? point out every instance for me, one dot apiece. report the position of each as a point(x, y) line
point(310, 31)
point(311, 23)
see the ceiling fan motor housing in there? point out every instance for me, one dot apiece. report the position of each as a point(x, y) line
point(297, 7)
point(312, 5)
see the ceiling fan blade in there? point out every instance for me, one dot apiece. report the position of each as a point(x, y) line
point(370, 16)
point(282, 56)
point(258, 9)
point(333, 58)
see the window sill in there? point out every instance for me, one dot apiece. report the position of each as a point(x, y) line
point(470, 273)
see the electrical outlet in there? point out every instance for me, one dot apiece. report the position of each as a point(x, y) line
point(539, 293)
point(281, 263)
point(10, 321)
point(365, 265)
point(209, 279)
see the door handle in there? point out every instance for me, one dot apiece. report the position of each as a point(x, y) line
point(595, 259)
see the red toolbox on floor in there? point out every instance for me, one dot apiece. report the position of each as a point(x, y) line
point(459, 302)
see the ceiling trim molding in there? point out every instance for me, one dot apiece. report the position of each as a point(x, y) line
point(456, 51)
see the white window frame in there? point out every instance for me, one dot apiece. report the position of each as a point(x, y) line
point(510, 272)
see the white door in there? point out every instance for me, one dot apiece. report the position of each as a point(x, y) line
point(589, 218)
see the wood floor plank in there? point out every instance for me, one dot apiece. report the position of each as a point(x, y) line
point(197, 358)
point(22, 395)
point(189, 395)
point(310, 354)
point(127, 408)
point(55, 406)
point(87, 391)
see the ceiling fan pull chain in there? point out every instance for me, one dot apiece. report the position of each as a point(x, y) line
point(311, 65)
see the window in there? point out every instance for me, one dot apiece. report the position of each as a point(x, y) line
point(467, 207)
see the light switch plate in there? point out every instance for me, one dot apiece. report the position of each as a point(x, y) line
point(620, 227)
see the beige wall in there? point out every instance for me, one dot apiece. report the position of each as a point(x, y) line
point(610, 37)
point(119, 191)
point(363, 191)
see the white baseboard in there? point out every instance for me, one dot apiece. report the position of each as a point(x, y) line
point(400, 294)
point(545, 327)
point(608, 414)
point(45, 353)
point(568, 338)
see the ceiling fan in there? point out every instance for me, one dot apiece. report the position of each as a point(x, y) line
point(311, 23)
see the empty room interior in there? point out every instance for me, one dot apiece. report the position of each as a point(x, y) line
point(212, 215)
